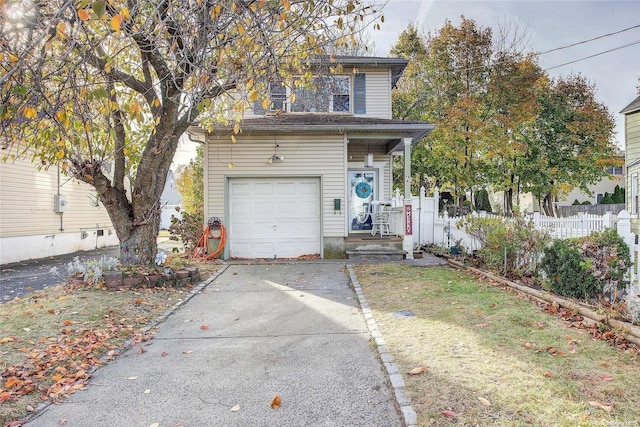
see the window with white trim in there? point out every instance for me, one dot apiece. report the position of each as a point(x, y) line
point(327, 94)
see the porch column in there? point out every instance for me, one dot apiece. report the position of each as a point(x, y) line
point(407, 239)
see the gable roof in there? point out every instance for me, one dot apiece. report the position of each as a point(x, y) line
point(634, 106)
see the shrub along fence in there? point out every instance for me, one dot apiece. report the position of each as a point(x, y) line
point(516, 245)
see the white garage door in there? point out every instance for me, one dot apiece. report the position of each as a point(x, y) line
point(274, 217)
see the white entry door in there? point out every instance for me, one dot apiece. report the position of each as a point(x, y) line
point(274, 217)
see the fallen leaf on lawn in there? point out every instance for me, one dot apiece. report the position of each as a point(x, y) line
point(607, 378)
point(417, 371)
point(484, 401)
point(482, 325)
point(140, 350)
point(132, 378)
point(26, 329)
point(187, 351)
point(276, 402)
point(4, 396)
point(235, 408)
point(164, 353)
point(30, 408)
point(547, 374)
point(6, 340)
point(62, 298)
point(448, 413)
point(68, 322)
point(204, 327)
point(13, 382)
point(605, 407)
point(527, 345)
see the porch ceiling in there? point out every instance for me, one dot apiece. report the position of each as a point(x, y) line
point(391, 145)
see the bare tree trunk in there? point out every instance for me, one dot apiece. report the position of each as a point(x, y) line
point(141, 246)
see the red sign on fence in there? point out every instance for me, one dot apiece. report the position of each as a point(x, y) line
point(408, 220)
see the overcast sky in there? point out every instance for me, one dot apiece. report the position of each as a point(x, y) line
point(550, 24)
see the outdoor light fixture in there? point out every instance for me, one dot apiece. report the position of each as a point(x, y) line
point(275, 156)
point(368, 159)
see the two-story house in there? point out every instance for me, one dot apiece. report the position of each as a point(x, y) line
point(632, 159)
point(306, 173)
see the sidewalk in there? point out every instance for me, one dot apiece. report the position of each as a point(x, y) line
point(256, 331)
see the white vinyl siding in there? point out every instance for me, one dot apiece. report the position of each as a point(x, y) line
point(320, 156)
point(632, 137)
point(27, 202)
point(378, 89)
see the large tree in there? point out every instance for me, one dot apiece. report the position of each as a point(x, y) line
point(90, 82)
point(499, 119)
point(570, 140)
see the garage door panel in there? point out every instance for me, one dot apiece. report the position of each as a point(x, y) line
point(240, 188)
point(274, 217)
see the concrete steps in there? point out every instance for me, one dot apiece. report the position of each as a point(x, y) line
point(372, 248)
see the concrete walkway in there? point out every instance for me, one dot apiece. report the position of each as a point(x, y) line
point(256, 331)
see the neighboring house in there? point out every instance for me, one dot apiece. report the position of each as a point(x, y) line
point(615, 177)
point(170, 202)
point(632, 159)
point(305, 175)
point(529, 204)
point(45, 213)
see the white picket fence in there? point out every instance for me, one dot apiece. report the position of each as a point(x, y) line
point(429, 227)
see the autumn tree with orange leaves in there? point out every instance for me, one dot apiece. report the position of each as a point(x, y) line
point(90, 83)
point(501, 122)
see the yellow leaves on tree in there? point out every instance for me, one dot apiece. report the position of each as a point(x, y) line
point(115, 22)
point(30, 113)
point(83, 14)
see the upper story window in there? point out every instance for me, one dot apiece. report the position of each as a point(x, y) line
point(331, 94)
point(615, 170)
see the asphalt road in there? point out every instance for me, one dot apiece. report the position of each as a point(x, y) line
point(24, 277)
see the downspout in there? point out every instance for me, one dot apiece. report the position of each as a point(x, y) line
point(407, 240)
point(61, 213)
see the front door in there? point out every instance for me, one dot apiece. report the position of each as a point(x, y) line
point(362, 191)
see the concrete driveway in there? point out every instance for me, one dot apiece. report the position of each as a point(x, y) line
point(255, 332)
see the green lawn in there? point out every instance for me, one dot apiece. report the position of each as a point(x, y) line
point(494, 358)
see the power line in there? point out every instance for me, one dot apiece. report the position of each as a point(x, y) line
point(587, 41)
point(595, 54)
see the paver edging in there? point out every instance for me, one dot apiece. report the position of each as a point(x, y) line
point(394, 376)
